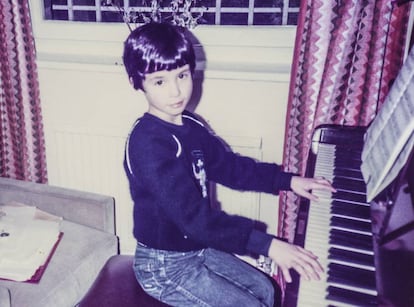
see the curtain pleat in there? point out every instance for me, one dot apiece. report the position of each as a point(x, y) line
point(22, 145)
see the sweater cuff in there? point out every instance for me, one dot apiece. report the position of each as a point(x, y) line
point(283, 182)
point(259, 242)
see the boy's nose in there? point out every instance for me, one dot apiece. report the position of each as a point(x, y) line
point(174, 89)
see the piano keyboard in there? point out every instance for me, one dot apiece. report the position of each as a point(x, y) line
point(339, 233)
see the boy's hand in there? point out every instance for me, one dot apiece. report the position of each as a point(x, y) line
point(302, 186)
point(288, 256)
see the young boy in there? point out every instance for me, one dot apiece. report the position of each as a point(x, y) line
point(184, 255)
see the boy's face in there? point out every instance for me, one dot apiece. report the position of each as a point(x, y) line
point(168, 93)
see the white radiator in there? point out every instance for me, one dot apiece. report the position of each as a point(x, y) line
point(93, 161)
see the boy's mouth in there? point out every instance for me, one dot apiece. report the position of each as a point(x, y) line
point(177, 104)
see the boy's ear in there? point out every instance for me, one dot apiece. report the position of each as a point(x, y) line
point(131, 81)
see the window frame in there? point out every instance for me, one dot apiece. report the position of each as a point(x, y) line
point(246, 52)
point(217, 9)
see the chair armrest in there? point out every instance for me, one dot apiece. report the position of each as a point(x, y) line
point(4, 297)
point(85, 208)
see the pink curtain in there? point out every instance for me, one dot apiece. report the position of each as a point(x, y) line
point(22, 146)
point(346, 56)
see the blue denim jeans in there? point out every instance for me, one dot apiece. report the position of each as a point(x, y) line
point(206, 277)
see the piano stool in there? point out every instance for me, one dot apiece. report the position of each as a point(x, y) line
point(116, 286)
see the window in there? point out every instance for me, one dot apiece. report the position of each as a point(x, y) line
point(256, 52)
point(206, 12)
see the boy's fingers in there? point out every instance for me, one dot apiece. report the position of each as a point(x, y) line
point(286, 275)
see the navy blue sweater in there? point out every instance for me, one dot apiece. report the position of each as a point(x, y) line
point(169, 168)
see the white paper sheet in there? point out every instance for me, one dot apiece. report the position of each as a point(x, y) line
point(390, 138)
point(25, 240)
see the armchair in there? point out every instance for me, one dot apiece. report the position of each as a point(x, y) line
point(88, 241)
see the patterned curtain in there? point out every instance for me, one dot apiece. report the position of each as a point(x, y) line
point(347, 54)
point(22, 146)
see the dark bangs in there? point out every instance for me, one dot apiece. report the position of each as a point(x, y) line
point(154, 47)
point(168, 55)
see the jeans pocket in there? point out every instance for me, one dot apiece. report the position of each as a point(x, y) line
point(148, 277)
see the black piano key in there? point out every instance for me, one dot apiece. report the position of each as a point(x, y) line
point(351, 276)
point(348, 173)
point(351, 209)
point(342, 136)
point(352, 240)
point(351, 165)
point(350, 224)
point(345, 153)
point(346, 195)
point(351, 256)
point(349, 184)
point(351, 297)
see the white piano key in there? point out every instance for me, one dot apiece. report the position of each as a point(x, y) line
point(351, 217)
point(352, 230)
point(353, 265)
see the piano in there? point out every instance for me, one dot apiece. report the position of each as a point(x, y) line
point(366, 249)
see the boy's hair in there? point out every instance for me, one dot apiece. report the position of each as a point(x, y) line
point(156, 46)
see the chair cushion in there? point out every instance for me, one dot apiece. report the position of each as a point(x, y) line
point(116, 286)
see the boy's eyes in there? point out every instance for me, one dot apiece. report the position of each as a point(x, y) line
point(183, 75)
